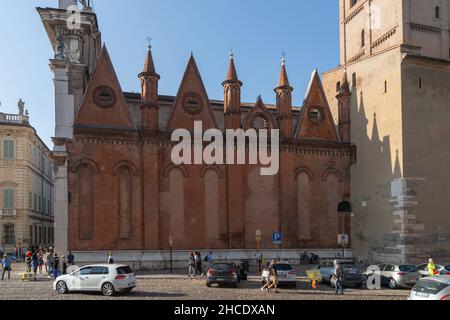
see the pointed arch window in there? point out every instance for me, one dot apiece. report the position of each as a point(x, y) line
point(437, 12)
point(125, 182)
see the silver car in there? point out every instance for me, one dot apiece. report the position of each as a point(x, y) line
point(394, 276)
point(352, 275)
point(423, 270)
point(431, 288)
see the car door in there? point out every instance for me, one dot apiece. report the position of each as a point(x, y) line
point(388, 273)
point(97, 277)
point(382, 277)
point(79, 279)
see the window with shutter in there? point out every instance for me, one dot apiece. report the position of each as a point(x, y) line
point(8, 149)
point(8, 195)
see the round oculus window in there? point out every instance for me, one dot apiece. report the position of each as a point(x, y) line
point(104, 97)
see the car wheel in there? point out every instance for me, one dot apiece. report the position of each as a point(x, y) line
point(294, 285)
point(108, 289)
point(392, 284)
point(235, 285)
point(208, 285)
point(61, 287)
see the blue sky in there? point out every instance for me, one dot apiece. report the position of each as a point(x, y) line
point(259, 31)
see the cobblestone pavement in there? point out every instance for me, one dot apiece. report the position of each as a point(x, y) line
point(165, 287)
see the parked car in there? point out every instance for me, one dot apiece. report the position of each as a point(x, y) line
point(352, 275)
point(222, 273)
point(105, 278)
point(286, 275)
point(395, 276)
point(423, 270)
point(431, 288)
point(243, 270)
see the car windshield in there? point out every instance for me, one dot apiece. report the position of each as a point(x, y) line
point(124, 270)
point(430, 286)
point(407, 268)
point(222, 267)
point(283, 267)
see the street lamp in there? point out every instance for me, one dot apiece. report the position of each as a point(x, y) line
point(343, 209)
point(258, 237)
point(171, 247)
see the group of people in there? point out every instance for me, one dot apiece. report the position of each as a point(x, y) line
point(38, 258)
point(272, 281)
point(196, 263)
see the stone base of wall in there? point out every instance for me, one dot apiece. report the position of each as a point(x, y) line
point(160, 260)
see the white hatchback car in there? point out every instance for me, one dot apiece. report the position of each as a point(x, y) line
point(431, 288)
point(105, 278)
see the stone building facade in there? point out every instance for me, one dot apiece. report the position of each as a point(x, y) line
point(122, 191)
point(397, 56)
point(26, 185)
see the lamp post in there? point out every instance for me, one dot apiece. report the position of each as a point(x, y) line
point(171, 247)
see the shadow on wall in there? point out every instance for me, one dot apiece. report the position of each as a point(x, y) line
point(371, 179)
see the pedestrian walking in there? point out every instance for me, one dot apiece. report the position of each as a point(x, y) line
point(198, 263)
point(35, 260)
point(55, 263)
point(192, 272)
point(28, 255)
point(6, 266)
point(338, 277)
point(40, 256)
point(71, 259)
point(269, 279)
point(64, 265)
point(274, 277)
point(209, 261)
point(50, 260)
point(110, 258)
point(432, 270)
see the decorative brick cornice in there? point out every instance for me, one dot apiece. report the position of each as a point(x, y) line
point(424, 28)
point(354, 14)
point(384, 37)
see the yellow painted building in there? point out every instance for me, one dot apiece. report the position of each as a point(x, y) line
point(26, 184)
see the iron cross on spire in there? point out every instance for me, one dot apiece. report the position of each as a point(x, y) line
point(149, 40)
point(283, 55)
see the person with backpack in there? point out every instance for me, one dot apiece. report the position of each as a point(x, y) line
point(338, 273)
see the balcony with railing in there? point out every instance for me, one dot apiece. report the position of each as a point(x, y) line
point(6, 118)
point(8, 212)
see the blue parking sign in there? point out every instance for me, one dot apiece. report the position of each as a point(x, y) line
point(276, 238)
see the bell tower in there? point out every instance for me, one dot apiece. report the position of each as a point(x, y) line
point(76, 41)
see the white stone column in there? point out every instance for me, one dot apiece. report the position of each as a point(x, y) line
point(61, 210)
point(64, 102)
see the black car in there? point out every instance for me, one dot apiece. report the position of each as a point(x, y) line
point(223, 273)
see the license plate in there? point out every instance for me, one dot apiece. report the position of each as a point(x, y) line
point(423, 295)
